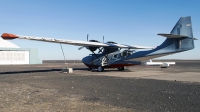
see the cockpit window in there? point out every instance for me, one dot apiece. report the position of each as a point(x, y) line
point(126, 53)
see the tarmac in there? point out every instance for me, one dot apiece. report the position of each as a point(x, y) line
point(140, 89)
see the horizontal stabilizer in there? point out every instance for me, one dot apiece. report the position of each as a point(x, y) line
point(172, 35)
point(195, 39)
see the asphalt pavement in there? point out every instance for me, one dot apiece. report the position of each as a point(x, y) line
point(141, 88)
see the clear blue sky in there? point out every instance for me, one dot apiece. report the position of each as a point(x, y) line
point(133, 22)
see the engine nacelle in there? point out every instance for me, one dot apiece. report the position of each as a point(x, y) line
point(92, 48)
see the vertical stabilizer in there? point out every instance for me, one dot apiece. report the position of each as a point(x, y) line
point(179, 40)
point(183, 27)
point(181, 36)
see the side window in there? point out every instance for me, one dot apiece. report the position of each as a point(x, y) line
point(115, 56)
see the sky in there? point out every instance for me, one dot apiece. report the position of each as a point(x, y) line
point(132, 22)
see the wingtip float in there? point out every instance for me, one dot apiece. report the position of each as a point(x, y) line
point(8, 36)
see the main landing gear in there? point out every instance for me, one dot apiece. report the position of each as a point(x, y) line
point(121, 68)
point(99, 69)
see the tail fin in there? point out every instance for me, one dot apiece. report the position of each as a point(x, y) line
point(183, 27)
point(180, 39)
point(181, 36)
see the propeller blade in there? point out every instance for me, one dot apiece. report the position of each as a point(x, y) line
point(80, 47)
point(83, 46)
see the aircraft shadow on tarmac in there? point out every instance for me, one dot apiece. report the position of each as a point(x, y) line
point(32, 71)
point(51, 70)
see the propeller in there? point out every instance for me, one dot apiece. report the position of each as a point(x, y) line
point(83, 46)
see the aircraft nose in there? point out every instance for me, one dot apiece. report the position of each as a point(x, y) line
point(86, 59)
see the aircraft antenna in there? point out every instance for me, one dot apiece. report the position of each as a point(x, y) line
point(103, 39)
point(87, 36)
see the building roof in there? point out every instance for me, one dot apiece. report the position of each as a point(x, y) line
point(7, 44)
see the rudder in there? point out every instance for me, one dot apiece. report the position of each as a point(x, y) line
point(183, 27)
point(181, 36)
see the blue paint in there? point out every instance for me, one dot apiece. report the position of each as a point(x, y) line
point(170, 46)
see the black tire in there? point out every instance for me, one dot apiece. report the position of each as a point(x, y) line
point(100, 69)
point(121, 68)
point(89, 69)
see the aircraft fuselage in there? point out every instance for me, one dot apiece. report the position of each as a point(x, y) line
point(111, 60)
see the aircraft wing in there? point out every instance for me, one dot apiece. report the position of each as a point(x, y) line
point(142, 47)
point(8, 36)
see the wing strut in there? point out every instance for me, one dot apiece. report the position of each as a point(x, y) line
point(95, 55)
point(63, 54)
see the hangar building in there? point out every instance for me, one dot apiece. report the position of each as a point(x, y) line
point(13, 54)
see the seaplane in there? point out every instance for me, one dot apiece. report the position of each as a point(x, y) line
point(114, 55)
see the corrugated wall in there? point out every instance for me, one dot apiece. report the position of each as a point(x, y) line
point(19, 56)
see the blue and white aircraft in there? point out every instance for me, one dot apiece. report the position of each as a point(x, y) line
point(111, 56)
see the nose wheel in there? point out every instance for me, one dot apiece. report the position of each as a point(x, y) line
point(100, 69)
point(89, 69)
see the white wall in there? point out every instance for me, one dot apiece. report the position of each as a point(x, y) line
point(14, 57)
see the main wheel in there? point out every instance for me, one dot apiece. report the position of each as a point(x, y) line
point(100, 69)
point(121, 68)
